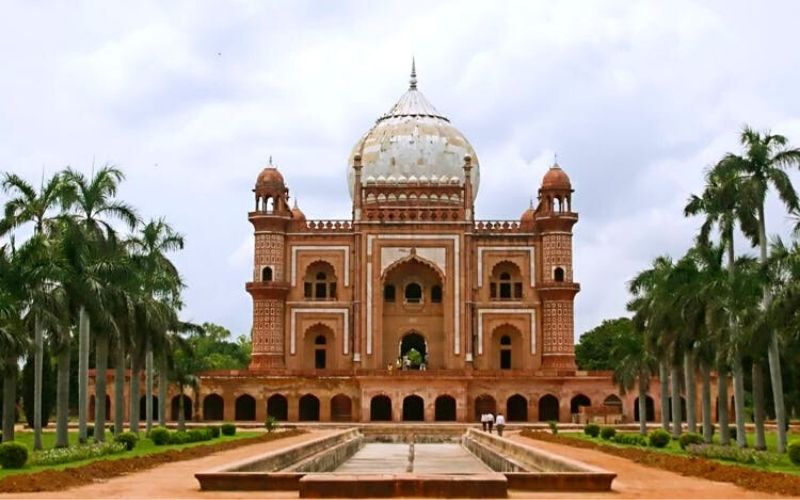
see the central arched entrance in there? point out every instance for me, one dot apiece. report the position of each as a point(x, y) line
point(413, 409)
point(413, 351)
point(380, 409)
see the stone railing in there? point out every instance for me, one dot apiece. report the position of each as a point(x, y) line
point(327, 226)
point(497, 226)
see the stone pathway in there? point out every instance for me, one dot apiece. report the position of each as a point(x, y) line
point(635, 480)
point(429, 458)
point(176, 480)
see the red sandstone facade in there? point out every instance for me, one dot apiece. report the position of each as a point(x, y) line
point(486, 305)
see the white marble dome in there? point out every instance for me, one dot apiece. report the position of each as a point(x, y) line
point(413, 141)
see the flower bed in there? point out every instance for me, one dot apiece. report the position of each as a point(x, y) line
point(745, 477)
point(71, 477)
point(57, 456)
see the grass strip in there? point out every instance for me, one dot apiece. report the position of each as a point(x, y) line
point(68, 476)
point(740, 475)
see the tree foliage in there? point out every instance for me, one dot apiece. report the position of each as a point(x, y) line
point(594, 349)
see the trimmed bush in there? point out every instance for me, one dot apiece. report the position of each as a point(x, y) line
point(630, 439)
point(553, 426)
point(688, 438)
point(214, 431)
point(608, 433)
point(794, 452)
point(659, 438)
point(129, 439)
point(197, 435)
point(271, 423)
point(160, 436)
point(592, 430)
point(13, 455)
point(228, 429)
point(179, 437)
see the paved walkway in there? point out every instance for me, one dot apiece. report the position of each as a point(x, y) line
point(635, 480)
point(429, 458)
point(176, 480)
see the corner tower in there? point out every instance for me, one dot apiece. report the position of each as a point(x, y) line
point(270, 285)
point(555, 218)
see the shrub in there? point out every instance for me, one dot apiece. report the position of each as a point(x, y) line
point(630, 438)
point(608, 433)
point(213, 430)
point(228, 429)
point(592, 430)
point(197, 435)
point(160, 436)
point(58, 456)
point(794, 452)
point(129, 439)
point(271, 423)
point(553, 426)
point(659, 438)
point(13, 455)
point(733, 454)
point(179, 437)
point(688, 438)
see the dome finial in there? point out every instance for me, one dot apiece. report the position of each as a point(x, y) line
point(270, 160)
point(413, 81)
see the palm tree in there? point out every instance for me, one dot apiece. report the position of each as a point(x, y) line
point(633, 366)
point(653, 315)
point(29, 206)
point(13, 337)
point(163, 282)
point(763, 165)
point(93, 207)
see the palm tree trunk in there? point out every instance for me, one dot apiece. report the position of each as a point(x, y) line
point(133, 417)
point(691, 391)
point(773, 350)
point(758, 405)
point(676, 401)
point(83, 373)
point(722, 404)
point(148, 388)
point(38, 362)
point(119, 387)
point(708, 426)
point(101, 365)
point(9, 397)
point(62, 396)
point(738, 400)
point(181, 416)
point(663, 380)
point(162, 391)
point(643, 403)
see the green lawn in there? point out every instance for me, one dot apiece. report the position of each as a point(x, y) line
point(674, 448)
point(143, 447)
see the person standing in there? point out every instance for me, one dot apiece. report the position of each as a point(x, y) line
point(500, 422)
point(490, 421)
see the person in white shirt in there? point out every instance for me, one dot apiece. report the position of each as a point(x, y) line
point(490, 421)
point(500, 421)
point(483, 421)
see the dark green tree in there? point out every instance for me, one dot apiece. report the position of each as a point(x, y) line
point(48, 388)
point(594, 349)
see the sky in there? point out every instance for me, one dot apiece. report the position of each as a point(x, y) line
point(191, 98)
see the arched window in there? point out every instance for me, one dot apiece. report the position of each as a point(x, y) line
point(266, 274)
point(436, 294)
point(388, 293)
point(506, 282)
point(320, 282)
point(505, 352)
point(558, 274)
point(413, 293)
point(320, 352)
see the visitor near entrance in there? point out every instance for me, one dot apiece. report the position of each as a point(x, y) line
point(490, 421)
point(500, 422)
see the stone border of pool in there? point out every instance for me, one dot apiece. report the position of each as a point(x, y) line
point(520, 467)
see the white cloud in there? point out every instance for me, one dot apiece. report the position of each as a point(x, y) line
point(190, 99)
